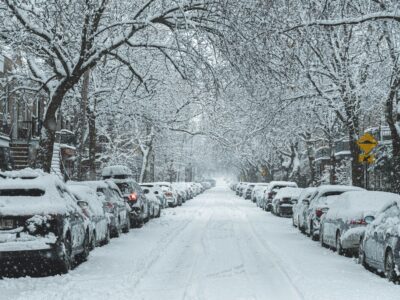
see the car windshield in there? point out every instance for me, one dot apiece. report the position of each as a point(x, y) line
point(22, 192)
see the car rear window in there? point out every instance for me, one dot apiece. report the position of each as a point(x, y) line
point(125, 188)
point(22, 192)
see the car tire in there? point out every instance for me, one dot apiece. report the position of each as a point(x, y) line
point(390, 267)
point(65, 262)
point(338, 244)
point(107, 238)
point(127, 225)
point(93, 242)
point(82, 257)
point(361, 254)
point(321, 239)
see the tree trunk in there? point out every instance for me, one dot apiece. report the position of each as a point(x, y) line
point(82, 125)
point(92, 144)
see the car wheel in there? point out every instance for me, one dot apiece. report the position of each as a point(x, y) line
point(80, 258)
point(321, 238)
point(66, 259)
point(107, 237)
point(361, 254)
point(390, 269)
point(339, 248)
point(93, 242)
point(127, 225)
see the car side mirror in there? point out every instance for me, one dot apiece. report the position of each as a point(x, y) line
point(83, 204)
point(369, 219)
point(156, 192)
point(146, 191)
point(306, 202)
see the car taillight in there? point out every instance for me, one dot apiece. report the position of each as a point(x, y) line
point(319, 213)
point(358, 222)
point(132, 197)
point(168, 194)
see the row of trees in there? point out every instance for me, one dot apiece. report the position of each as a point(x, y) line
point(251, 87)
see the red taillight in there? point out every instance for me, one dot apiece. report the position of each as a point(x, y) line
point(358, 222)
point(132, 197)
point(319, 213)
point(109, 205)
point(168, 194)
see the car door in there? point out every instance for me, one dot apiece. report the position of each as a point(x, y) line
point(76, 220)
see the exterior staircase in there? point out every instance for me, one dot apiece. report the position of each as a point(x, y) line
point(20, 155)
point(56, 161)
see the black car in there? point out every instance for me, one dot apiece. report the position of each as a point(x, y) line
point(41, 221)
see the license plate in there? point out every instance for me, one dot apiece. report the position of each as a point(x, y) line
point(6, 224)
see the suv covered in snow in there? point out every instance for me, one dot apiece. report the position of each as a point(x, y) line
point(270, 192)
point(132, 192)
point(40, 220)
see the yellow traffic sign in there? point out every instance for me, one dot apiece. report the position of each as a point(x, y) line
point(367, 143)
point(366, 158)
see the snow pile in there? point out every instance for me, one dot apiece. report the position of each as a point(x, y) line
point(38, 222)
point(353, 234)
point(357, 205)
point(27, 173)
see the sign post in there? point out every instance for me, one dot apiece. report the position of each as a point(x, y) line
point(366, 143)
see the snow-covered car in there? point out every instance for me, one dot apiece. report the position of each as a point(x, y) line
point(40, 220)
point(258, 191)
point(155, 205)
point(284, 199)
point(169, 193)
point(157, 191)
point(319, 204)
point(132, 192)
point(248, 190)
point(300, 206)
point(345, 222)
point(270, 192)
point(100, 232)
point(113, 204)
point(380, 248)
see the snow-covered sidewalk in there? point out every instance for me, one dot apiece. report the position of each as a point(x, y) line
point(217, 246)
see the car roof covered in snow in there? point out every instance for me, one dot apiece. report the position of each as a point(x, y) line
point(86, 193)
point(26, 173)
point(116, 170)
point(337, 188)
point(35, 196)
point(273, 184)
point(291, 192)
point(358, 204)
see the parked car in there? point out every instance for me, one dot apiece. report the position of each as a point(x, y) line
point(380, 248)
point(284, 199)
point(300, 206)
point(345, 222)
point(270, 192)
point(155, 205)
point(319, 204)
point(248, 190)
point(258, 191)
point(100, 229)
point(41, 221)
point(113, 204)
point(132, 192)
point(156, 190)
point(169, 193)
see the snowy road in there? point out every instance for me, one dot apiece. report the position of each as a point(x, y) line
point(217, 246)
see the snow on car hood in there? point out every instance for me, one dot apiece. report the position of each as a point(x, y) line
point(356, 205)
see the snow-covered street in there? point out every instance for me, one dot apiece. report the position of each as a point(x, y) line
point(217, 246)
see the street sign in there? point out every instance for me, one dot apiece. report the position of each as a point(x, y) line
point(366, 158)
point(367, 143)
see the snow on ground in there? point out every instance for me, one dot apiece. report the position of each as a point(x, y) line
point(217, 246)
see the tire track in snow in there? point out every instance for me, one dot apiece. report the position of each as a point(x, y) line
point(276, 260)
